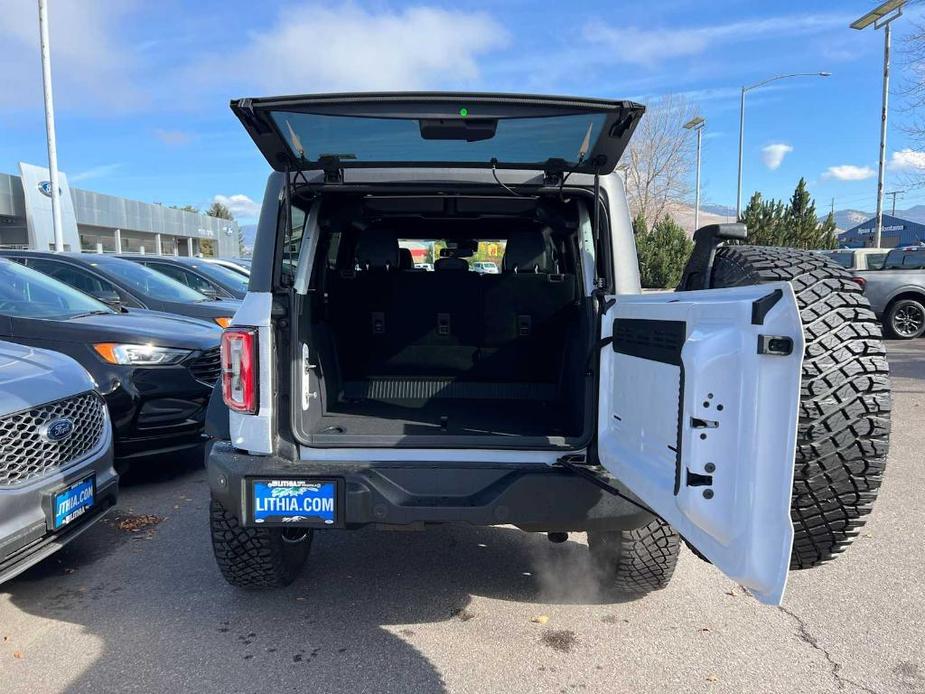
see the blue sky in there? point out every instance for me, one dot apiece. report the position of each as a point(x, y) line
point(142, 88)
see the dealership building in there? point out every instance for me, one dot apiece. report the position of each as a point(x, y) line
point(99, 223)
point(896, 232)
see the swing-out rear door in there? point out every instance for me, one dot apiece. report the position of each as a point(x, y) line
point(698, 417)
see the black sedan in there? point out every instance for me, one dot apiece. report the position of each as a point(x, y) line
point(155, 371)
point(207, 278)
point(121, 282)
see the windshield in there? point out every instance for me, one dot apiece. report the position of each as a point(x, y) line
point(406, 140)
point(222, 275)
point(26, 293)
point(911, 259)
point(148, 282)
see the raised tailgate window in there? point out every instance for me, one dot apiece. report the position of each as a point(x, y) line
point(351, 139)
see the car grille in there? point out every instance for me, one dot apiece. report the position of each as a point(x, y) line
point(207, 366)
point(26, 454)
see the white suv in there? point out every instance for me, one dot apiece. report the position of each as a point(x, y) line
point(747, 413)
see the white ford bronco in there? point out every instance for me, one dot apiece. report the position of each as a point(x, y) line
point(746, 413)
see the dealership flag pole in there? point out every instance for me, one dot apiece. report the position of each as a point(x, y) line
point(50, 128)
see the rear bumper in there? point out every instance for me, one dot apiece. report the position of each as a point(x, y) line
point(25, 538)
point(530, 496)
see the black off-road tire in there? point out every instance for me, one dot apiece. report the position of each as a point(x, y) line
point(255, 557)
point(637, 561)
point(844, 422)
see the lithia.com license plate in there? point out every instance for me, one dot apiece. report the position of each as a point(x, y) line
point(294, 502)
point(71, 503)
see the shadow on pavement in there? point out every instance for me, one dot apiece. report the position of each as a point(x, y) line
point(168, 622)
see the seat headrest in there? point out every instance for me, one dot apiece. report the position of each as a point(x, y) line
point(405, 259)
point(527, 251)
point(377, 249)
point(450, 263)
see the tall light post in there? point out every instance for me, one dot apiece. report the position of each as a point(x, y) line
point(696, 124)
point(50, 128)
point(882, 17)
point(742, 122)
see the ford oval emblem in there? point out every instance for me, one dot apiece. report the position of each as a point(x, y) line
point(57, 430)
point(45, 188)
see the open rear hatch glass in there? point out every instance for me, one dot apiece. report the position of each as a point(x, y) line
point(339, 131)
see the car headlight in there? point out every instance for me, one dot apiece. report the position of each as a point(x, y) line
point(223, 321)
point(139, 355)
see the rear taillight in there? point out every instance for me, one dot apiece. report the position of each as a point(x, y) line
point(860, 281)
point(239, 369)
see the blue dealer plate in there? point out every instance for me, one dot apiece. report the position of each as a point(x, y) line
point(70, 504)
point(294, 502)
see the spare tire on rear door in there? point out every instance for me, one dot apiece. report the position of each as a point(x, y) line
point(844, 425)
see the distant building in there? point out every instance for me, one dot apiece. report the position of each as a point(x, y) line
point(95, 222)
point(896, 232)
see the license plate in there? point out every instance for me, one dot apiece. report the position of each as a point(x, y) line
point(294, 502)
point(71, 503)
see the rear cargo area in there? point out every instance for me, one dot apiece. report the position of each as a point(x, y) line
point(405, 355)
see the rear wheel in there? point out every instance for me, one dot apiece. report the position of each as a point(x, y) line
point(905, 319)
point(256, 557)
point(844, 422)
point(635, 561)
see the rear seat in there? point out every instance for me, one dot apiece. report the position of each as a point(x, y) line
point(526, 310)
point(363, 303)
point(453, 322)
point(439, 320)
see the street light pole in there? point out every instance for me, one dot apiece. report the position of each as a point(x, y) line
point(696, 124)
point(881, 167)
point(741, 148)
point(50, 127)
point(882, 17)
point(742, 123)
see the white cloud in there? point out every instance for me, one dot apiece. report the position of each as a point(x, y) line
point(849, 172)
point(650, 45)
point(907, 160)
point(773, 155)
point(94, 172)
point(172, 137)
point(318, 48)
point(240, 205)
point(90, 56)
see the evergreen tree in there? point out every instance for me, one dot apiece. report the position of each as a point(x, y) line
point(796, 225)
point(663, 252)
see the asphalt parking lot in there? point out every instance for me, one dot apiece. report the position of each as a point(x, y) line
point(136, 605)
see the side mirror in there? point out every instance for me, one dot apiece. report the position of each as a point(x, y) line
point(108, 297)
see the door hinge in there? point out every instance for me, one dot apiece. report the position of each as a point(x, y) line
point(307, 367)
point(577, 464)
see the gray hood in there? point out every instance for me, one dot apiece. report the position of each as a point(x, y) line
point(30, 376)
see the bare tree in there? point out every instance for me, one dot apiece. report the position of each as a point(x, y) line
point(912, 93)
point(660, 160)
